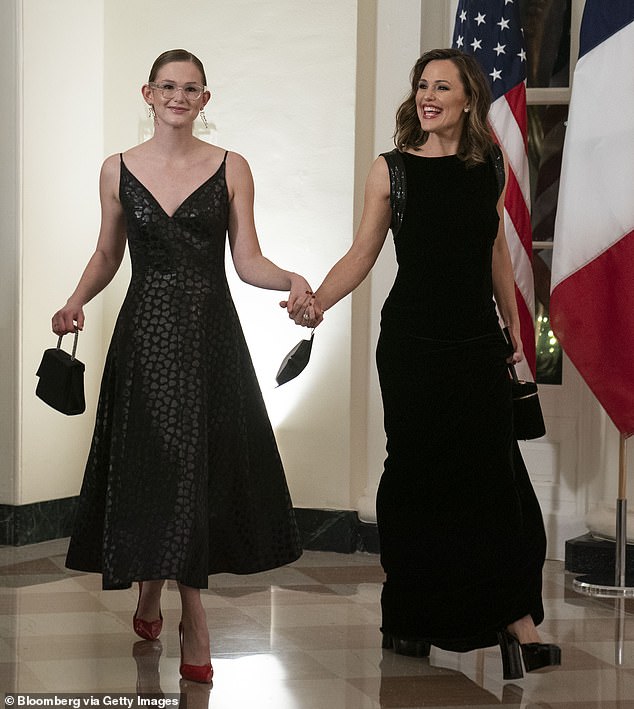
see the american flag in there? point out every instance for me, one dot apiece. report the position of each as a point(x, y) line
point(492, 32)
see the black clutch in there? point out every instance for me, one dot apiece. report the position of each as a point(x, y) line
point(528, 420)
point(295, 361)
point(61, 380)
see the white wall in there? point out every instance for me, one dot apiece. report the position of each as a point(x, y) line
point(57, 51)
point(9, 248)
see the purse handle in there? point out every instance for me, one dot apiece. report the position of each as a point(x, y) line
point(59, 343)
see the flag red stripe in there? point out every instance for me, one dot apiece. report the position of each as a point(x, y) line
point(516, 99)
point(518, 212)
point(527, 330)
point(591, 312)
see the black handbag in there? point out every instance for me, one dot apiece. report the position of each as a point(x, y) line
point(61, 380)
point(295, 361)
point(528, 420)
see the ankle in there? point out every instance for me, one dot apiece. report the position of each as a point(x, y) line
point(195, 648)
point(524, 630)
point(149, 604)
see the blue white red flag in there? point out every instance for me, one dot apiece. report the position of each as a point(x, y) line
point(492, 32)
point(592, 291)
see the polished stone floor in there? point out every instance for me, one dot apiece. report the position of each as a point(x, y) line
point(302, 637)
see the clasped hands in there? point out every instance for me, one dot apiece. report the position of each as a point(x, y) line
point(304, 310)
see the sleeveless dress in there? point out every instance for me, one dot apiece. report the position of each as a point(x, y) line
point(183, 478)
point(461, 532)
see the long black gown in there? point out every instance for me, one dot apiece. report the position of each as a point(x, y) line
point(183, 477)
point(461, 533)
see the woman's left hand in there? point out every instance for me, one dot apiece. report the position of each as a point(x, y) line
point(518, 348)
point(301, 305)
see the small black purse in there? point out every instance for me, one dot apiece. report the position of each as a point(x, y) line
point(295, 361)
point(61, 380)
point(528, 420)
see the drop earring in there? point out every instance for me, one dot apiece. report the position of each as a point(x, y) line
point(203, 118)
point(151, 113)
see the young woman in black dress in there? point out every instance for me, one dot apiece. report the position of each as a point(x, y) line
point(183, 478)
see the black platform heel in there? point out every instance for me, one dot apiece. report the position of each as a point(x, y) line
point(511, 659)
point(536, 656)
point(412, 648)
point(540, 656)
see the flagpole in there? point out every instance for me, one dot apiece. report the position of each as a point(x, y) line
point(621, 517)
point(618, 587)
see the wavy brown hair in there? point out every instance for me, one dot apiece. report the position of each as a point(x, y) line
point(476, 141)
point(176, 55)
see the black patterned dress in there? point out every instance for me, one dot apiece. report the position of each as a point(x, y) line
point(183, 478)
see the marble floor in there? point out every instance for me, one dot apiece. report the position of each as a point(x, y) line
point(305, 636)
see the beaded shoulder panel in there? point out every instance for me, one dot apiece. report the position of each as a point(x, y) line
point(398, 188)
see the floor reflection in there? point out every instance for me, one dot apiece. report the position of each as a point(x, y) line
point(147, 655)
point(436, 686)
point(302, 637)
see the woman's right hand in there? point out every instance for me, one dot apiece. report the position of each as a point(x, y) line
point(68, 318)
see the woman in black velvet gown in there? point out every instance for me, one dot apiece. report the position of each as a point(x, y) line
point(461, 532)
point(183, 478)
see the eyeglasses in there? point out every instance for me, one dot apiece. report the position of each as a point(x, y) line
point(191, 92)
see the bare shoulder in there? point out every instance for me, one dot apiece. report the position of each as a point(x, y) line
point(378, 180)
point(206, 152)
point(237, 164)
point(111, 164)
point(239, 177)
point(110, 171)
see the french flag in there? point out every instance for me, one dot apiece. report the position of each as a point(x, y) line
point(592, 286)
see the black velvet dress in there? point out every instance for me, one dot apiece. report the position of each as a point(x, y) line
point(183, 478)
point(461, 532)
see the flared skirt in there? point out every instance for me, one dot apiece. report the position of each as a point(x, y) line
point(183, 477)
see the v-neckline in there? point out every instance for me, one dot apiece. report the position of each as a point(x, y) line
point(189, 196)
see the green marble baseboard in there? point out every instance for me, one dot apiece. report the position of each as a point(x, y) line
point(36, 522)
point(321, 530)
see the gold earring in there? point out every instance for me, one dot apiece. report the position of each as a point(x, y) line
point(203, 118)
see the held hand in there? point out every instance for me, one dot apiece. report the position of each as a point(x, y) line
point(307, 313)
point(300, 304)
point(68, 318)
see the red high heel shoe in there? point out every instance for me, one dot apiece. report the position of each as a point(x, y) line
point(146, 629)
point(194, 673)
